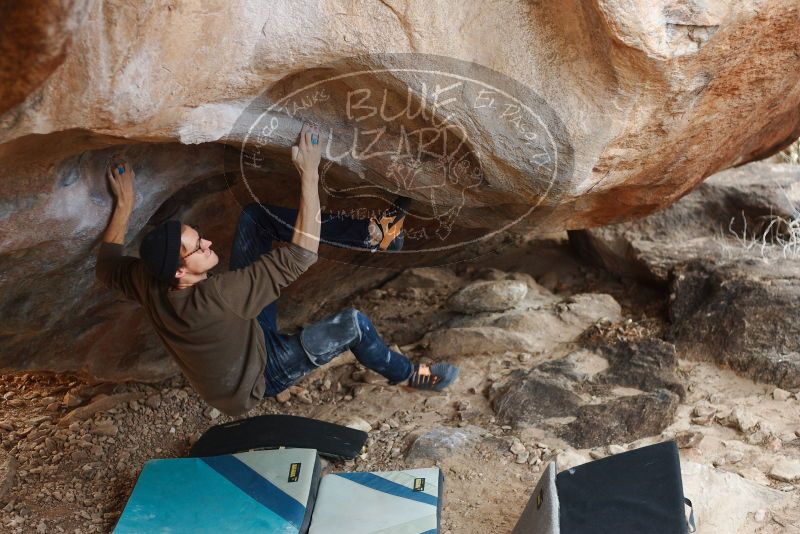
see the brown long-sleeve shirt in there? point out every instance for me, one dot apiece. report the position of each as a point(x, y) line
point(211, 327)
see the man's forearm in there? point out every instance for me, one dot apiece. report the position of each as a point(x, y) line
point(115, 232)
point(307, 225)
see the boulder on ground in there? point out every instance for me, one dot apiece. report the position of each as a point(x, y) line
point(442, 442)
point(729, 258)
point(725, 502)
point(531, 397)
point(621, 420)
point(647, 365)
point(534, 326)
point(488, 296)
point(741, 315)
point(786, 470)
point(613, 393)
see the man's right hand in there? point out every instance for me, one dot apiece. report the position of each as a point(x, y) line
point(306, 155)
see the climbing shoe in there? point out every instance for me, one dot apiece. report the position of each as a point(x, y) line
point(435, 377)
point(390, 225)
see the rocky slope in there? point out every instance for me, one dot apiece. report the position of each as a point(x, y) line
point(729, 253)
point(71, 451)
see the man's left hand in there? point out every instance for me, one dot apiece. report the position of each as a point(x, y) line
point(120, 179)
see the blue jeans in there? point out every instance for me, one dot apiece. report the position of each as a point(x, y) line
point(291, 357)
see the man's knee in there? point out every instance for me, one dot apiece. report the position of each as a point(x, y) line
point(362, 321)
point(355, 317)
point(331, 336)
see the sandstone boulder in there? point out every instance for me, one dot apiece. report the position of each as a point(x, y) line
point(442, 442)
point(537, 324)
point(571, 115)
point(35, 38)
point(726, 502)
point(488, 296)
point(785, 470)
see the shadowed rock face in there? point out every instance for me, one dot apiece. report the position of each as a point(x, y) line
point(728, 254)
point(621, 108)
point(615, 392)
point(744, 316)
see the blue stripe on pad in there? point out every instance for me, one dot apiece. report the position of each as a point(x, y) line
point(387, 486)
point(258, 488)
point(431, 531)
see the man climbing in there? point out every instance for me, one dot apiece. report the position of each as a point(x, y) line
point(222, 329)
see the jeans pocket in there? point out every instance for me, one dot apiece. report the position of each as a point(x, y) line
point(331, 336)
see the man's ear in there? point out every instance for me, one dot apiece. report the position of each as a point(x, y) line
point(181, 272)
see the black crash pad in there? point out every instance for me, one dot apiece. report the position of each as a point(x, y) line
point(273, 431)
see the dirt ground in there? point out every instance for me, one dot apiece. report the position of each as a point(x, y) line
point(74, 472)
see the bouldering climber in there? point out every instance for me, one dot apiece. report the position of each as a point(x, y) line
point(222, 328)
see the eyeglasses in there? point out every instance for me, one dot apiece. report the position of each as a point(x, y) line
point(199, 244)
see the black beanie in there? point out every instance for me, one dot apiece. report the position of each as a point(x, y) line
point(161, 250)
